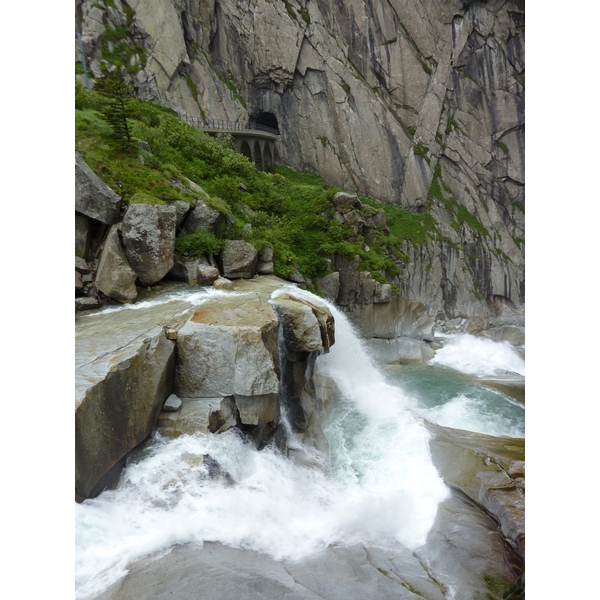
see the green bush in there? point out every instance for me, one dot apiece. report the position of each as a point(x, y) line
point(199, 244)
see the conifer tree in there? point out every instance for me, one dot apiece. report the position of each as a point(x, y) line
point(117, 92)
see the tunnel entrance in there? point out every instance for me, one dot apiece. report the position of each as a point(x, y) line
point(268, 119)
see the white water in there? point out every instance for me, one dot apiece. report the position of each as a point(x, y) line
point(382, 488)
point(478, 356)
point(473, 414)
point(193, 294)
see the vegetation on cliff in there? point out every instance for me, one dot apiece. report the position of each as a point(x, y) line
point(291, 212)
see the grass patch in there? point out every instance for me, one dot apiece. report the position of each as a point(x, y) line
point(305, 16)
point(144, 198)
point(503, 147)
point(345, 86)
point(388, 42)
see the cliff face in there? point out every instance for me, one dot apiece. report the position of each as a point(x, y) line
point(418, 103)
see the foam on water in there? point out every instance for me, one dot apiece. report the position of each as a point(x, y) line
point(184, 293)
point(478, 356)
point(382, 488)
point(471, 413)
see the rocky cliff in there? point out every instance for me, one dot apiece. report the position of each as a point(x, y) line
point(418, 103)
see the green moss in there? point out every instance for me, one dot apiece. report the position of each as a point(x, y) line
point(411, 130)
point(425, 66)
point(290, 10)
point(519, 242)
point(388, 42)
point(79, 69)
point(519, 206)
point(305, 16)
point(421, 150)
point(502, 147)
point(193, 88)
point(451, 124)
point(345, 86)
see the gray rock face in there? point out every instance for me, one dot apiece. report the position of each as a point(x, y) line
point(119, 412)
point(93, 197)
point(204, 218)
point(86, 303)
point(115, 278)
point(182, 209)
point(238, 260)
point(329, 285)
point(82, 235)
point(149, 240)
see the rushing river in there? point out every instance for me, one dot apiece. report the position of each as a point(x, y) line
point(381, 489)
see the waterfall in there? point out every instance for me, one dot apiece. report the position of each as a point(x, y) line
point(382, 488)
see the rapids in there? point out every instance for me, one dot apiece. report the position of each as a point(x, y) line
point(381, 487)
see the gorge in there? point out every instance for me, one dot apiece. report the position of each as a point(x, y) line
point(300, 373)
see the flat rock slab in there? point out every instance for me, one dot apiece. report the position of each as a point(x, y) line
point(216, 571)
point(489, 470)
point(467, 554)
point(106, 338)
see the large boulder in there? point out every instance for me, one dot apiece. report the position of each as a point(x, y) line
point(93, 197)
point(149, 240)
point(238, 260)
point(207, 275)
point(115, 278)
point(203, 218)
point(229, 347)
point(119, 412)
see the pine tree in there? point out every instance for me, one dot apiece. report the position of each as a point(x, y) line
point(117, 92)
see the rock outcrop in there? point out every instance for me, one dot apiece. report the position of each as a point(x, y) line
point(149, 240)
point(115, 277)
point(93, 198)
point(490, 470)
